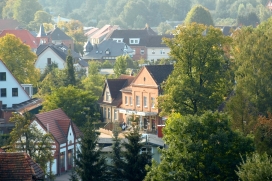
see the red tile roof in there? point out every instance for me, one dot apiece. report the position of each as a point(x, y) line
point(57, 122)
point(19, 166)
point(8, 24)
point(24, 35)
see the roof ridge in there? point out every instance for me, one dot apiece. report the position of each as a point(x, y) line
point(56, 121)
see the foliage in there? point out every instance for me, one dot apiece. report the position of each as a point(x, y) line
point(120, 65)
point(199, 14)
point(263, 135)
point(40, 17)
point(164, 28)
point(90, 165)
point(4, 139)
point(249, 19)
point(72, 101)
point(73, 175)
point(133, 164)
point(26, 137)
point(49, 68)
point(257, 167)
point(21, 61)
point(200, 148)
point(70, 71)
point(106, 65)
point(201, 77)
point(250, 51)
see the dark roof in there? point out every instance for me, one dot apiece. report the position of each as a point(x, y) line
point(27, 105)
point(58, 34)
point(127, 34)
point(99, 51)
point(159, 72)
point(157, 40)
point(83, 63)
point(60, 49)
point(41, 32)
point(8, 24)
point(19, 166)
point(58, 123)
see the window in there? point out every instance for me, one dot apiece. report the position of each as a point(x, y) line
point(137, 101)
point(105, 113)
point(70, 157)
point(3, 92)
point(145, 101)
point(146, 150)
point(118, 40)
point(130, 101)
point(14, 92)
point(4, 106)
point(162, 51)
point(109, 113)
point(107, 96)
point(3, 76)
point(49, 61)
point(134, 40)
point(153, 51)
point(115, 114)
point(126, 100)
point(152, 102)
point(142, 51)
point(107, 52)
point(62, 159)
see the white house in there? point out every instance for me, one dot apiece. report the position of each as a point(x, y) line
point(66, 138)
point(11, 92)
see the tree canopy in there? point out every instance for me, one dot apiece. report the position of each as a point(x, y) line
point(120, 66)
point(199, 14)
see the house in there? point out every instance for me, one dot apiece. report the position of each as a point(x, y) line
point(111, 97)
point(96, 36)
point(9, 24)
point(66, 138)
point(139, 99)
point(57, 53)
point(24, 35)
point(136, 39)
point(19, 166)
point(55, 36)
point(156, 49)
point(107, 50)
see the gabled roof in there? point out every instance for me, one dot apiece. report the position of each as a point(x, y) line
point(99, 51)
point(58, 34)
point(24, 35)
point(41, 32)
point(58, 124)
point(159, 72)
point(91, 31)
point(19, 166)
point(103, 31)
point(157, 40)
point(8, 24)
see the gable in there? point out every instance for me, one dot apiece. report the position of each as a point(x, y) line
point(10, 84)
point(144, 78)
point(70, 136)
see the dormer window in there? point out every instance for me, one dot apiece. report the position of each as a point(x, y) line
point(107, 97)
point(118, 40)
point(134, 40)
point(96, 52)
point(107, 52)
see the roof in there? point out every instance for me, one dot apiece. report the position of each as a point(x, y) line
point(58, 124)
point(103, 31)
point(26, 105)
point(58, 34)
point(99, 51)
point(24, 35)
point(19, 166)
point(41, 32)
point(159, 72)
point(91, 31)
point(157, 40)
point(8, 24)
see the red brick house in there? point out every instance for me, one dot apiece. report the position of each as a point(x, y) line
point(66, 138)
point(19, 166)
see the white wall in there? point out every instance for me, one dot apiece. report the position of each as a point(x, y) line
point(53, 168)
point(70, 135)
point(41, 62)
point(157, 53)
point(10, 83)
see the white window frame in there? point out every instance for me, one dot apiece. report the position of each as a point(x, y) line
point(118, 40)
point(138, 101)
point(152, 102)
point(126, 100)
point(134, 41)
point(115, 114)
point(142, 51)
point(145, 101)
point(130, 100)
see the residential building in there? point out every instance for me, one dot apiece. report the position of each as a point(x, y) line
point(107, 50)
point(111, 98)
point(9, 24)
point(139, 99)
point(19, 166)
point(96, 36)
point(66, 138)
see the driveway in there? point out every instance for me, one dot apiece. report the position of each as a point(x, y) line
point(63, 177)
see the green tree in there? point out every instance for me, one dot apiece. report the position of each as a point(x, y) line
point(26, 137)
point(73, 176)
point(24, 10)
point(256, 167)
point(120, 65)
point(7, 11)
point(72, 101)
point(199, 14)
point(21, 61)
point(70, 71)
point(90, 165)
point(40, 17)
point(179, 8)
point(201, 77)
point(164, 28)
point(49, 68)
point(200, 148)
point(107, 64)
point(248, 19)
point(2, 5)
point(133, 166)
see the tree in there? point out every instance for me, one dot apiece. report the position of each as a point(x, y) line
point(26, 137)
point(133, 166)
point(73, 176)
point(21, 61)
point(2, 5)
point(90, 165)
point(201, 76)
point(199, 14)
point(24, 10)
point(72, 101)
point(200, 148)
point(248, 19)
point(256, 167)
point(179, 8)
point(164, 28)
point(71, 79)
point(8, 9)
point(40, 17)
point(120, 65)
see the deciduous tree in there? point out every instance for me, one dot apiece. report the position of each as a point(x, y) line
point(120, 65)
point(199, 14)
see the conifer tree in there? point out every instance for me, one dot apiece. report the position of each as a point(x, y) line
point(71, 80)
